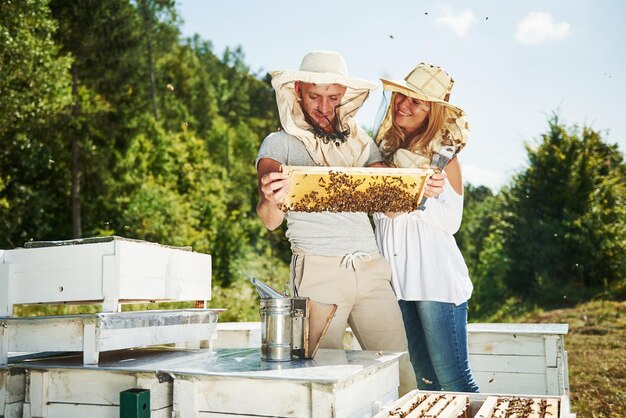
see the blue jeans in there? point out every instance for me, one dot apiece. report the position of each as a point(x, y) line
point(437, 337)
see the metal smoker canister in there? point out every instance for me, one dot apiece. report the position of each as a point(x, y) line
point(276, 329)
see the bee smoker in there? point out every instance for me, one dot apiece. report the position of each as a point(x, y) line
point(290, 327)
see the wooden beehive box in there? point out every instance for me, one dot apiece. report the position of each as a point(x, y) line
point(355, 189)
point(526, 359)
point(476, 405)
point(110, 271)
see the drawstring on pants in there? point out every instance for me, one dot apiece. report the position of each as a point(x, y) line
point(349, 260)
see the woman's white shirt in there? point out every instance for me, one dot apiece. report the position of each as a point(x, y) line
point(426, 263)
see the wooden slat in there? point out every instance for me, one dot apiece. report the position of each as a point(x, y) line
point(507, 363)
point(514, 383)
point(100, 387)
point(97, 411)
point(506, 344)
point(46, 275)
point(242, 396)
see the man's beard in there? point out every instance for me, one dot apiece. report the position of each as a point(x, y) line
point(337, 136)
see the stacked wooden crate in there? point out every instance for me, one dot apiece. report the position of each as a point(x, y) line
point(107, 271)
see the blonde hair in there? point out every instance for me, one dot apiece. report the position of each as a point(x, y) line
point(423, 141)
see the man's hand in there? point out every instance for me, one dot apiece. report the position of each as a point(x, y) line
point(274, 187)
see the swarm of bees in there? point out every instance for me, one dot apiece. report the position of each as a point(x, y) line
point(518, 407)
point(434, 405)
point(364, 190)
point(443, 405)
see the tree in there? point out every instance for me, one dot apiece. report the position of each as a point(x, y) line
point(563, 224)
point(35, 86)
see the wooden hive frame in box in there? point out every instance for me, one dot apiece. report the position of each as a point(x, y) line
point(355, 189)
point(440, 405)
point(519, 407)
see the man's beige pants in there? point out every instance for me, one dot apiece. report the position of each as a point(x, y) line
point(366, 301)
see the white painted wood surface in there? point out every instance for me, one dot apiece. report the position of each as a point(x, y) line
point(12, 388)
point(64, 393)
point(327, 389)
point(237, 335)
point(527, 359)
point(505, 358)
point(201, 383)
point(95, 333)
point(110, 273)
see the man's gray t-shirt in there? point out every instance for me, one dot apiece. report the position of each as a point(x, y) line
point(323, 233)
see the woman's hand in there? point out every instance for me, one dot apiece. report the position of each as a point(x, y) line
point(435, 184)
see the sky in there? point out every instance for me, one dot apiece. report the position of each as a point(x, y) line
point(515, 63)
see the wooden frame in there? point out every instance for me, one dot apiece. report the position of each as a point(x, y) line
point(355, 189)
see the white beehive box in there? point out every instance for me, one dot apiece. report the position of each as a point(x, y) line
point(527, 359)
point(12, 384)
point(108, 270)
point(206, 383)
point(336, 383)
point(63, 393)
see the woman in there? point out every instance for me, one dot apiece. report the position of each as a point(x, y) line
point(429, 274)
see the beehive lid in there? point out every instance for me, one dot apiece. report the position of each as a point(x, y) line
point(93, 240)
point(355, 189)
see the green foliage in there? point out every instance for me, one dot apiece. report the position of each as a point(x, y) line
point(558, 233)
point(35, 87)
point(89, 73)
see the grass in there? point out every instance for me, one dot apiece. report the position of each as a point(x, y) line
point(596, 346)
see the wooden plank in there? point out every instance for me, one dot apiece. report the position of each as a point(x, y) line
point(110, 283)
point(101, 387)
point(185, 402)
point(5, 341)
point(551, 348)
point(161, 265)
point(14, 410)
point(96, 411)
point(114, 339)
point(6, 290)
point(58, 335)
point(507, 363)
point(507, 344)
point(12, 386)
point(517, 328)
point(37, 393)
point(357, 397)
point(512, 383)
point(552, 382)
point(45, 275)
point(248, 335)
point(251, 396)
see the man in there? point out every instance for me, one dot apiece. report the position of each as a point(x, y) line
point(335, 256)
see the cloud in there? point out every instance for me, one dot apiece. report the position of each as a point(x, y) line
point(460, 23)
point(538, 27)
